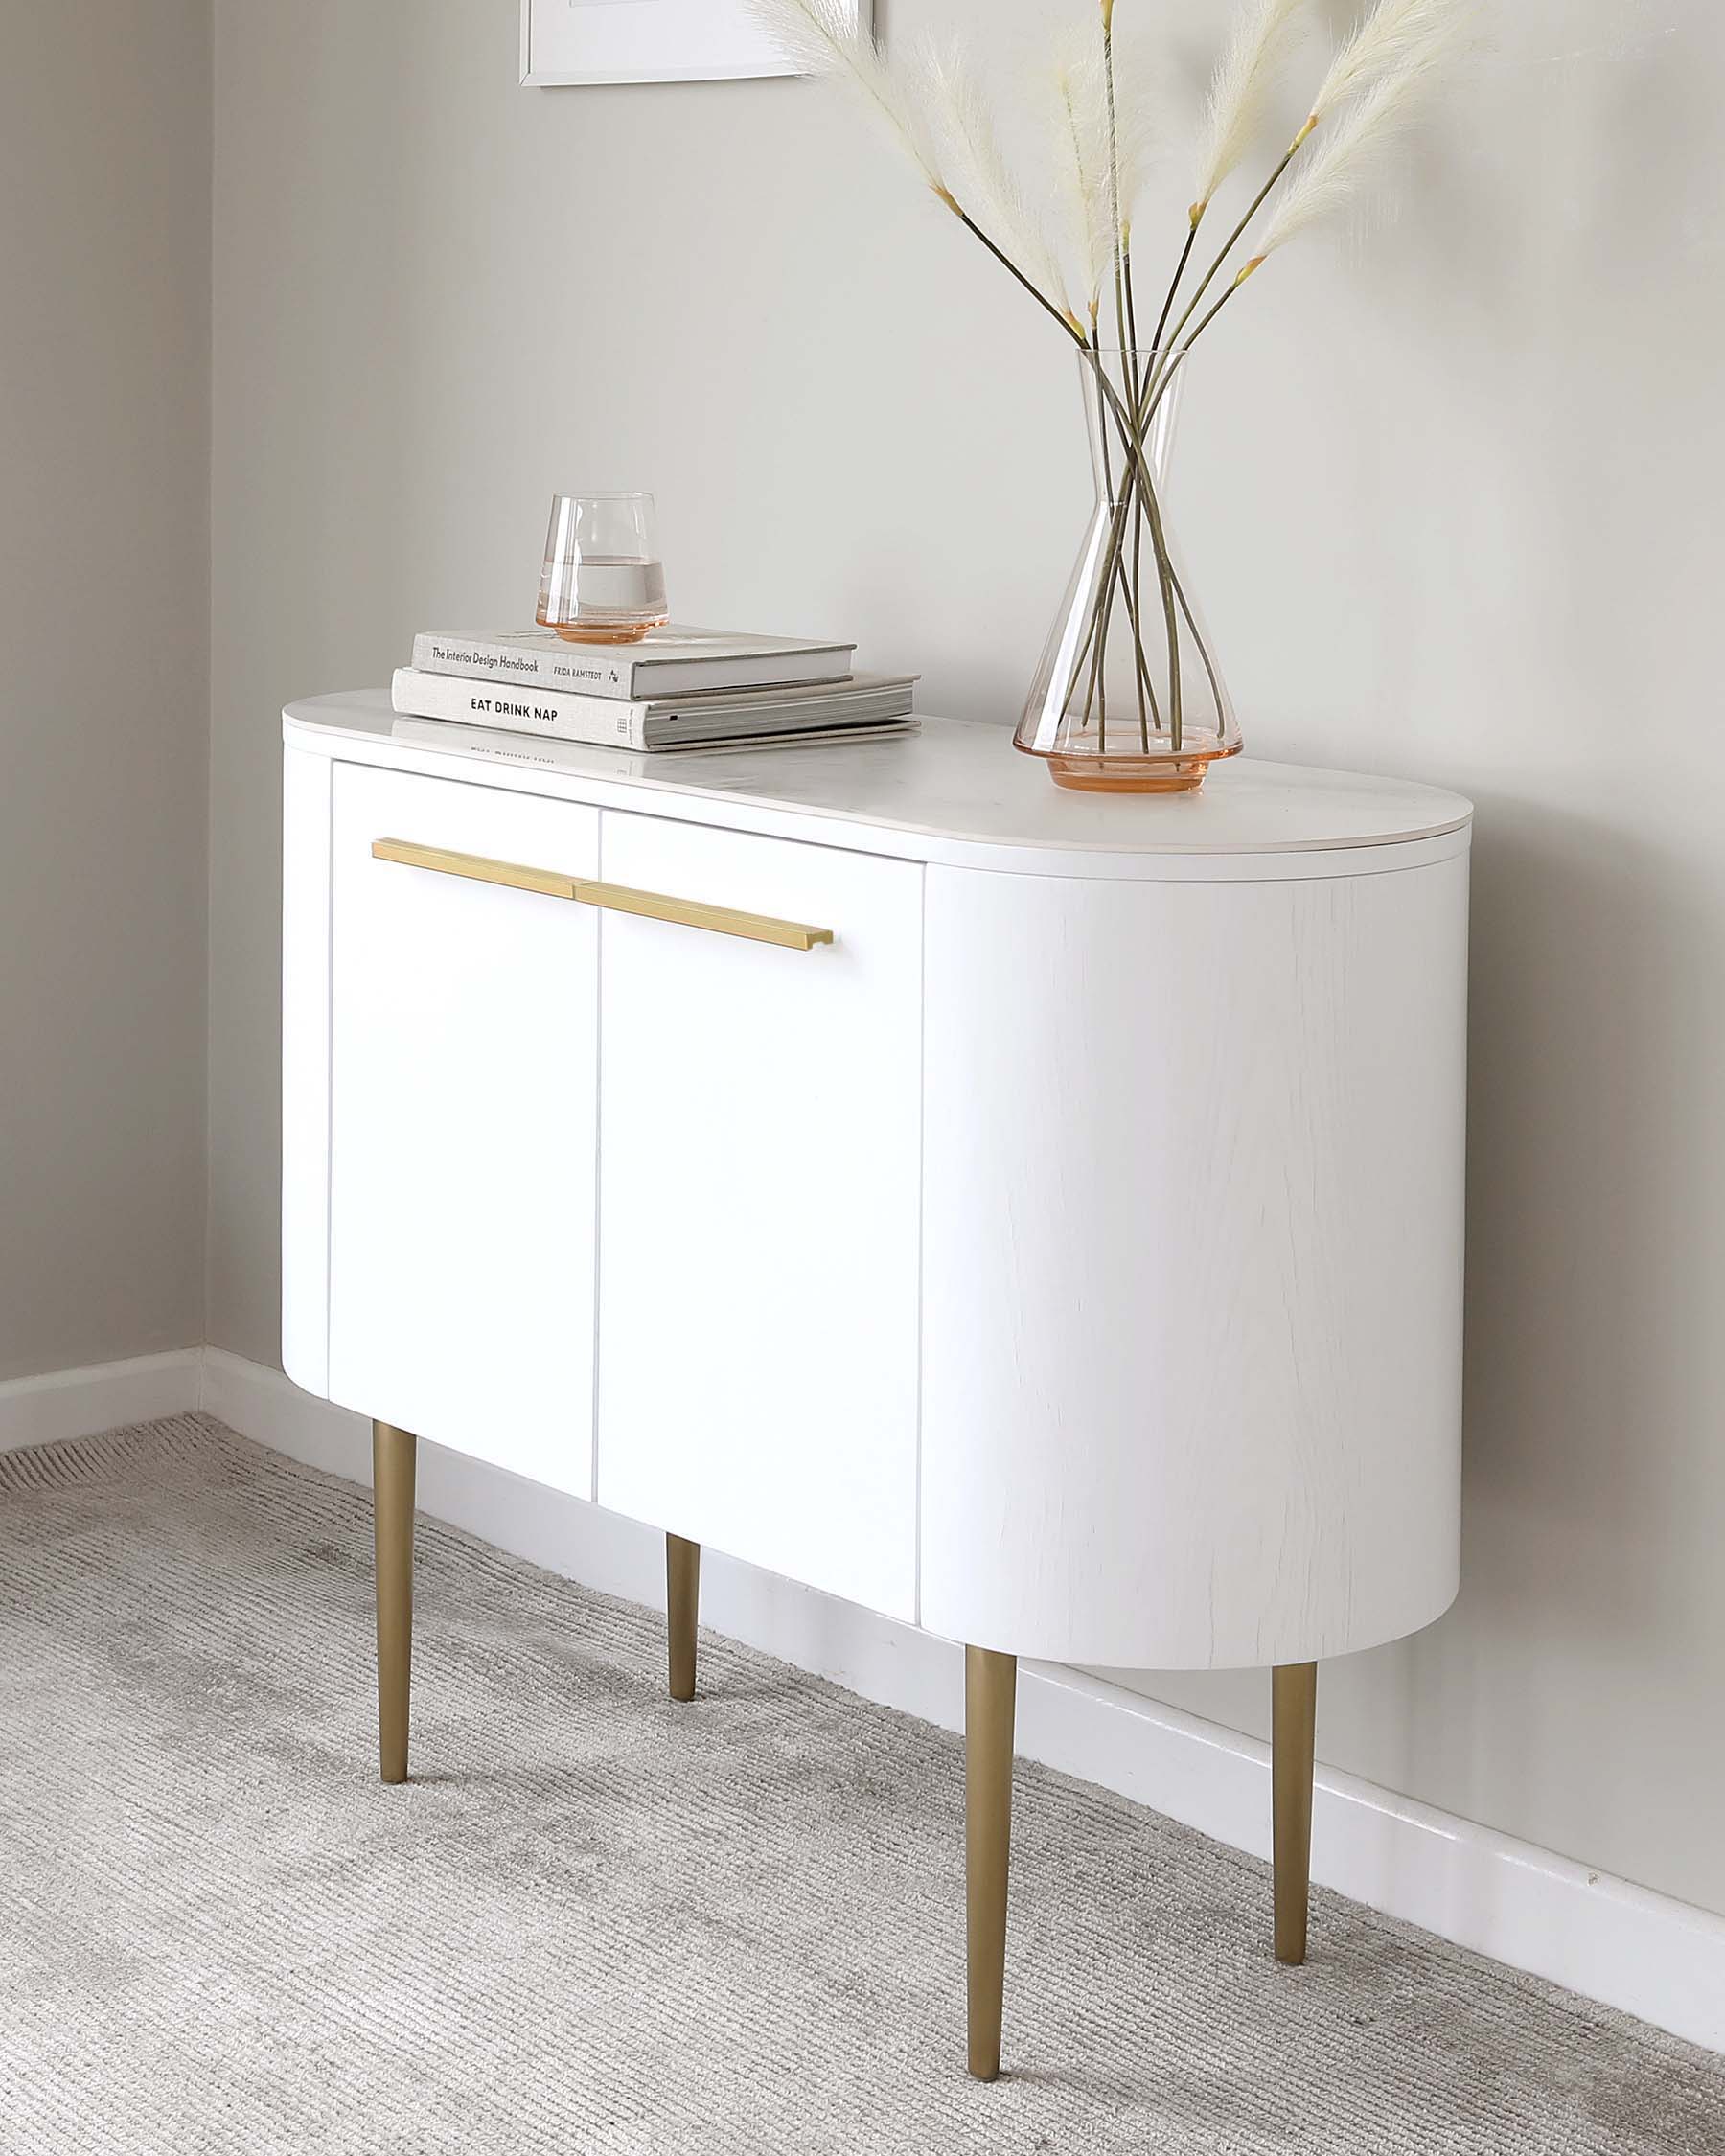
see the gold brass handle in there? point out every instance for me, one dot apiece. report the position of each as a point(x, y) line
point(617, 897)
point(546, 881)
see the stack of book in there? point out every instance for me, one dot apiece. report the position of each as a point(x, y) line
point(676, 688)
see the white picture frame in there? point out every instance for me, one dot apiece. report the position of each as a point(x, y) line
point(599, 41)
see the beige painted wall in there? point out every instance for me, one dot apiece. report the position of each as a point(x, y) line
point(104, 323)
point(1452, 495)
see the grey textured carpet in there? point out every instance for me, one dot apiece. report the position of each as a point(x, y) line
point(597, 1922)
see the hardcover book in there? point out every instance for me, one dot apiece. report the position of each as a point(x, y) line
point(668, 661)
point(522, 749)
point(861, 699)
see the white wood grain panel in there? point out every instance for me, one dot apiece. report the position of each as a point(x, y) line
point(1189, 1231)
point(306, 798)
point(462, 1171)
point(1193, 1264)
point(760, 1137)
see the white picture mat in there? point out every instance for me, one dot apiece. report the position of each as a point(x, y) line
point(645, 41)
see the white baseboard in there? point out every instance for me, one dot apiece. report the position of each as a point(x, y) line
point(42, 1411)
point(1619, 1944)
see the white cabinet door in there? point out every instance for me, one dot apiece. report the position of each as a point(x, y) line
point(761, 1114)
point(462, 1134)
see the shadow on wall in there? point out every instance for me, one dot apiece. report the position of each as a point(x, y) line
point(1584, 1209)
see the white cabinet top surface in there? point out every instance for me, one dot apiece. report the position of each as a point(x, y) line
point(955, 792)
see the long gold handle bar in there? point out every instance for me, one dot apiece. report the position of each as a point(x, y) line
point(617, 897)
point(549, 881)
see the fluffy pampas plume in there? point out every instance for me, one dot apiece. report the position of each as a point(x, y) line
point(930, 105)
point(820, 37)
point(1240, 92)
point(1082, 158)
point(980, 175)
point(1397, 35)
point(1330, 181)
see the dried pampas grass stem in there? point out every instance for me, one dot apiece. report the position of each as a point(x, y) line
point(1397, 35)
point(1083, 160)
point(982, 180)
point(821, 37)
point(933, 109)
point(1239, 97)
point(1330, 180)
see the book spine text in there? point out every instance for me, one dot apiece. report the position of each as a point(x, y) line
point(469, 703)
point(574, 672)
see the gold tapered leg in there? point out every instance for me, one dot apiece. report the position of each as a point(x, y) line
point(1292, 1726)
point(394, 1453)
point(990, 1700)
point(683, 1611)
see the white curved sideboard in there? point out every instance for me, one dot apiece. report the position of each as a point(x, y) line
point(1035, 1216)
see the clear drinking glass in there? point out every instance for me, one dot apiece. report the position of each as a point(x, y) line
point(604, 582)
